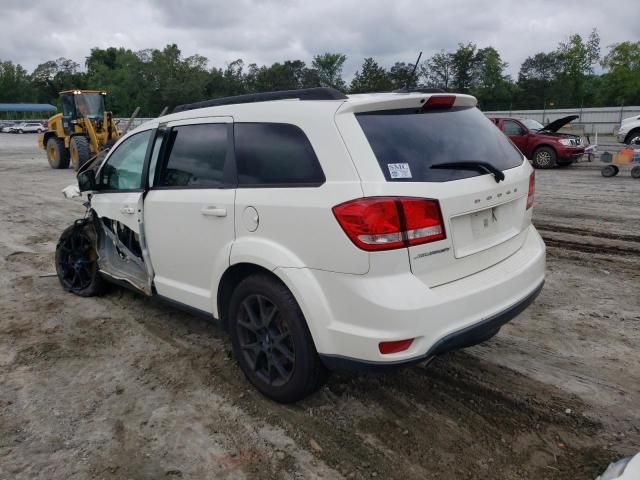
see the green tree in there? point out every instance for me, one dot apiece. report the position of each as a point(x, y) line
point(52, 77)
point(329, 70)
point(492, 86)
point(621, 82)
point(402, 75)
point(464, 63)
point(15, 84)
point(371, 78)
point(536, 80)
point(437, 71)
point(577, 58)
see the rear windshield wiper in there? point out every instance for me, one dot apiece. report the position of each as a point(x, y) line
point(482, 167)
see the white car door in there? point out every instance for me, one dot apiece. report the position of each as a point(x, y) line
point(117, 203)
point(189, 210)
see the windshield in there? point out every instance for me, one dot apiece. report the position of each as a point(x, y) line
point(407, 143)
point(532, 124)
point(90, 105)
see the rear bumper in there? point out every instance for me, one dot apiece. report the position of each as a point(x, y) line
point(466, 337)
point(349, 315)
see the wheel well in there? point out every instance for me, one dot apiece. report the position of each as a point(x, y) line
point(47, 136)
point(230, 280)
point(535, 150)
point(633, 131)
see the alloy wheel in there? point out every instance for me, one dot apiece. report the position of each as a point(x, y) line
point(265, 340)
point(544, 158)
point(76, 263)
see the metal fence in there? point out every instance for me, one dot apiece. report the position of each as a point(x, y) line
point(604, 120)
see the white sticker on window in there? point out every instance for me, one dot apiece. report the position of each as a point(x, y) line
point(399, 170)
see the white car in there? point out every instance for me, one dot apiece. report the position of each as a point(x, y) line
point(323, 231)
point(629, 131)
point(27, 127)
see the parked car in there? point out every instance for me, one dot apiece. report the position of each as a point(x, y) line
point(27, 127)
point(5, 126)
point(333, 232)
point(629, 131)
point(543, 145)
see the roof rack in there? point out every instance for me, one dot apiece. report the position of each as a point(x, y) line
point(318, 93)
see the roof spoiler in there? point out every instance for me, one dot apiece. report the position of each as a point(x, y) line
point(319, 93)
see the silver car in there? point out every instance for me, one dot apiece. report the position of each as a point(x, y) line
point(27, 127)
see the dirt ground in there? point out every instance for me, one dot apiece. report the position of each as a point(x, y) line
point(120, 387)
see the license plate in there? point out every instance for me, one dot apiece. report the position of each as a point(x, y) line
point(477, 231)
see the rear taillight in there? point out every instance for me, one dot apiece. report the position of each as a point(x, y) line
point(385, 223)
point(532, 189)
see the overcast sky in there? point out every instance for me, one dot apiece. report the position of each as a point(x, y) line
point(266, 31)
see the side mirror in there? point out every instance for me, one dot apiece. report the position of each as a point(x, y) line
point(87, 181)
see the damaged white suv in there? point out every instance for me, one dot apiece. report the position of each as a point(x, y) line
point(323, 231)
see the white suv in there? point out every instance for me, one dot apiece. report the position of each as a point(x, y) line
point(27, 127)
point(322, 230)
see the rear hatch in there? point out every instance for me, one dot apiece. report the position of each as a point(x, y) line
point(445, 150)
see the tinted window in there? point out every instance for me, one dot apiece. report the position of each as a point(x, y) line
point(512, 128)
point(197, 156)
point(275, 154)
point(123, 170)
point(409, 142)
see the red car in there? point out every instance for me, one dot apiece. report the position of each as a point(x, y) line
point(543, 145)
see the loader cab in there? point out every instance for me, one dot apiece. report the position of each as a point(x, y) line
point(77, 104)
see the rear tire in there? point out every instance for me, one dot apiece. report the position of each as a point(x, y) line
point(79, 151)
point(544, 157)
point(271, 340)
point(57, 154)
point(77, 261)
point(635, 172)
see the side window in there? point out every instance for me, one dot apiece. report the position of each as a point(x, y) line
point(196, 156)
point(123, 170)
point(512, 128)
point(275, 154)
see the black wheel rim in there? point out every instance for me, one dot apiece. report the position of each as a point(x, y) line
point(265, 340)
point(76, 265)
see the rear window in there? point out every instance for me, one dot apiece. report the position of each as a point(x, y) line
point(407, 143)
point(275, 154)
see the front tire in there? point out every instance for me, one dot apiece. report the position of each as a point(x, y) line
point(271, 341)
point(633, 138)
point(79, 151)
point(57, 154)
point(77, 261)
point(544, 157)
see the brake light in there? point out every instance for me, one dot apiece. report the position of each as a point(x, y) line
point(532, 189)
point(438, 102)
point(394, 347)
point(386, 223)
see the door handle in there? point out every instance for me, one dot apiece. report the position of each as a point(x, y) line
point(214, 212)
point(128, 210)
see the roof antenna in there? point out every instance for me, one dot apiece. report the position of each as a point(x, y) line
point(405, 88)
point(413, 72)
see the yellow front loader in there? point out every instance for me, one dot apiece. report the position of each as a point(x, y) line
point(82, 130)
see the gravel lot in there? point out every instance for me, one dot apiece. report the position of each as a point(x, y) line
point(122, 387)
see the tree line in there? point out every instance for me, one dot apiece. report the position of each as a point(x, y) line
point(575, 74)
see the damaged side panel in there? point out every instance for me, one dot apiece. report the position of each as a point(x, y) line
point(120, 254)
